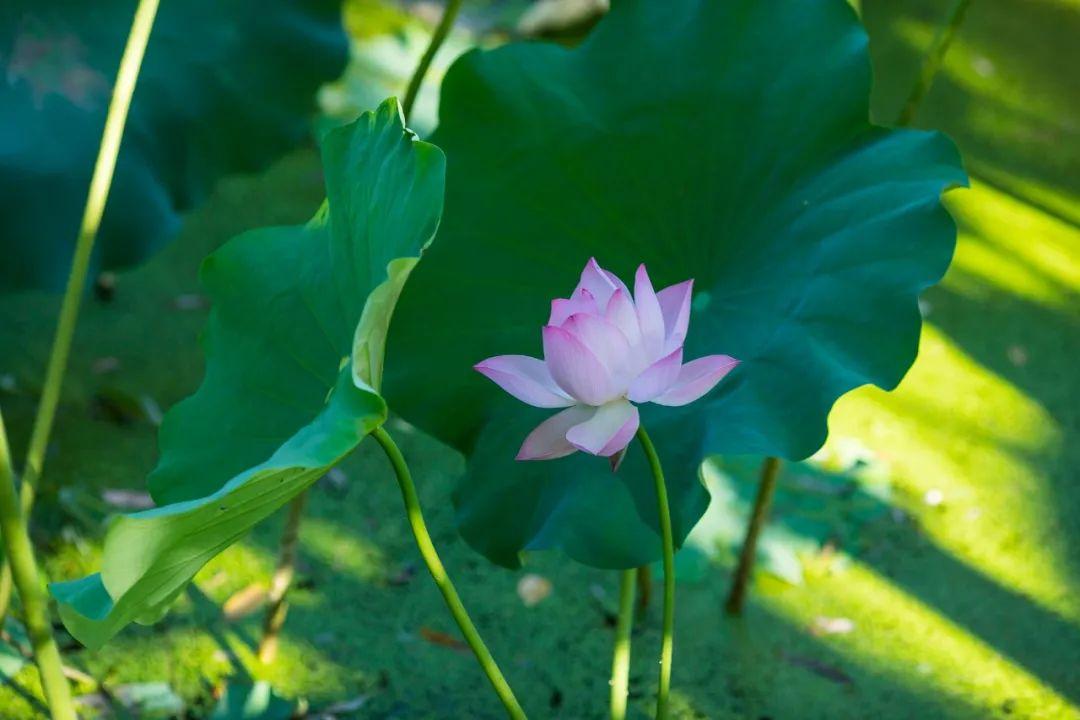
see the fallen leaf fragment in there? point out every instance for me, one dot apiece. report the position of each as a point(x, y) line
point(244, 602)
point(831, 626)
point(438, 637)
point(533, 589)
point(345, 706)
point(547, 16)
point(1018, 356)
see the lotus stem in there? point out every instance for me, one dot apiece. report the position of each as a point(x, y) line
point(644, 588)
point(770, 468)
point(100, 182)
point(667, 641)
point(620, 662)
point(442, 579)
point(6, 587)
point(932, 61)
point(277, 604)
point(20, 554)
point(441, 31)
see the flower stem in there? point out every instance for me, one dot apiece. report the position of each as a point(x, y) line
point(20, 554)
point(277, 604)
point(442, 580)
point(441, 31)
point(770, 468)
point(644, 588)
point(100, 182)
point(620, 662)
point(931, 63)
point(667, 641)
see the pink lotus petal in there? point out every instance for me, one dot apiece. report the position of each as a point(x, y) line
point(599, 282)
point(526, 378)
point(650, 317)
point(608, 431)
point(659, 376)
point(581, 301)
point(548, 440)
point(575, 368)
point(675, 306)
point(696, 378)
point(606, 342)
point(619, 284)
point(621, 313)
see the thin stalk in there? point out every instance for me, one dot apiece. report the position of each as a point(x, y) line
point(644, 587)
point(620, 661)
point(770, 468)
point(932, 61)
point(278, 606)
point(441, 31)
point(667, 642)
point(35, 604)
point(6, 586)
point(442, 580)
point(100, 182)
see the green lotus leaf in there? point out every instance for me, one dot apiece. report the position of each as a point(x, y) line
point(225, 87)
point(279, 404)
point(727, 142)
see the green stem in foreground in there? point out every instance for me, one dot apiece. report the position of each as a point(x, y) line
point(770, 468)
point(620, 661)
point(442, 580)
point(441, 31)
point(667, 641)
point(35, 604)
point(100, 182)
point(935, 55)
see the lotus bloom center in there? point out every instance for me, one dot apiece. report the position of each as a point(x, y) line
point(604, 350)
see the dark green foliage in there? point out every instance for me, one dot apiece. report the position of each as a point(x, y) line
point(225, 87)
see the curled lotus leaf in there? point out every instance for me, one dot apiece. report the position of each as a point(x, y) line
point(279, 405)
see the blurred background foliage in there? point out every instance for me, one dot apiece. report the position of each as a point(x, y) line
point(226, 87)
point(926, 563)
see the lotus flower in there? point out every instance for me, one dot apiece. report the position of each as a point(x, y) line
point(605, 350)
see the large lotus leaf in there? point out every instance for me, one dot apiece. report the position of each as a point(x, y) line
point(727, 142)
point(279, 404)
point(225, 87)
